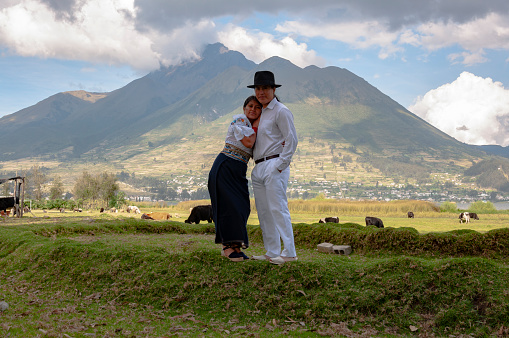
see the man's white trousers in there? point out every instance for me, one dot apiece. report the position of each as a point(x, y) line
point(269, 187)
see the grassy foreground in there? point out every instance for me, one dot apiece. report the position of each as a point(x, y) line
point(109, 276)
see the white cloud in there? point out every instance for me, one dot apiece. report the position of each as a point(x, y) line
point(184, 42)
point(489, 32)
point(259, 46)
point(99, 32)
point(358, 34)
point(474, 35)
point(146, 33)
point(471, 109)
point(468, 58)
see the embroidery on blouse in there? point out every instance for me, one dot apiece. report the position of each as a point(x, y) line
point(231, 151)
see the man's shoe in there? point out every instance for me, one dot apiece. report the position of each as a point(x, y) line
point(261, 258)
point(289, 259)
point(277, 260)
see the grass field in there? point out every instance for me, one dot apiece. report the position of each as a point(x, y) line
point(114, 275)
point(427, 221)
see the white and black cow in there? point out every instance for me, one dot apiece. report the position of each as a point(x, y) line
point(200, 213)
point(374, 221)
point(464, 217)
point(329, 220)
point(133, 209)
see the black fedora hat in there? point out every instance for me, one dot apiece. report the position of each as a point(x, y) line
point(264, 78)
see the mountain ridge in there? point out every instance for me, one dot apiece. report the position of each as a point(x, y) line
point(156, 112)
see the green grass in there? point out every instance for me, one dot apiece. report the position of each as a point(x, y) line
point(122, 276)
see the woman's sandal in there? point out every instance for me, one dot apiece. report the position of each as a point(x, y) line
point(234, 256)
point(244, 255)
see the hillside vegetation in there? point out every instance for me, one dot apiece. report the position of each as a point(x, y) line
point(108, 276)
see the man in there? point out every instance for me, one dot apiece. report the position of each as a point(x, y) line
point(276, 142)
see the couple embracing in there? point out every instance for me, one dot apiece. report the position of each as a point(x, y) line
point(270, 124)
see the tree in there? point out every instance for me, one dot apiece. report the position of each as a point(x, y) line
point(38, 179)
point(184, 195)
point(57, 188)
point(6, 188)
point(118, 200)
point(102, 186)
point(108, 186)
point(86, 187)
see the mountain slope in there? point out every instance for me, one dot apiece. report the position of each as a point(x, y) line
point(83, 125)
point(186, 108)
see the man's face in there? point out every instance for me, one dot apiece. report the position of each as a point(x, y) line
point(265, 94)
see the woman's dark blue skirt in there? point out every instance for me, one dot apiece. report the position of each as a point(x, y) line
point(229, 195)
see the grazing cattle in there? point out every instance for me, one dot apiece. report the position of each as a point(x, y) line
point(473, 215)
point(329, 220)
point(464, 217)
point(101, 210)
point(62, 210)
point(77, 210)
point(158, 215)
point(410, 214)
point(145, 216)
point(133, 209)
point(374, 221)
point(200, 213)
point(6, 203)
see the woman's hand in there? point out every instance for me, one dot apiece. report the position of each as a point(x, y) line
point(249, 141)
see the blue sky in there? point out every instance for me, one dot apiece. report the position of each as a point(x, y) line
point(446, 61)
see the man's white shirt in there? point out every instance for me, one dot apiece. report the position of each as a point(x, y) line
point(276, 134)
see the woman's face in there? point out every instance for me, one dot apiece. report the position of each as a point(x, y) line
point(252, 110)
point(265, 94)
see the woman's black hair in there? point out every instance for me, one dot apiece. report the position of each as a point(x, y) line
point(249, 99)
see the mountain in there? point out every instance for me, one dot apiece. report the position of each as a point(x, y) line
point(178, 115)
point(495, 150)
point(66, 120)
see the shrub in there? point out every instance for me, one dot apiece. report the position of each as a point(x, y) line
point(448, 207)
point(481, 207)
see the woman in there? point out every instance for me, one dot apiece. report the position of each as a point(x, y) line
point(228, 186)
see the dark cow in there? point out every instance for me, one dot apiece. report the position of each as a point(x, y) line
point(145, 216)
point(7, 203)
point(329, 220)
point(200, 213)
point(473, 215)
point(374, 221)
point(410, 214)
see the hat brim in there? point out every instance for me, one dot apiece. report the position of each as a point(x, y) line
point(275, 86)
